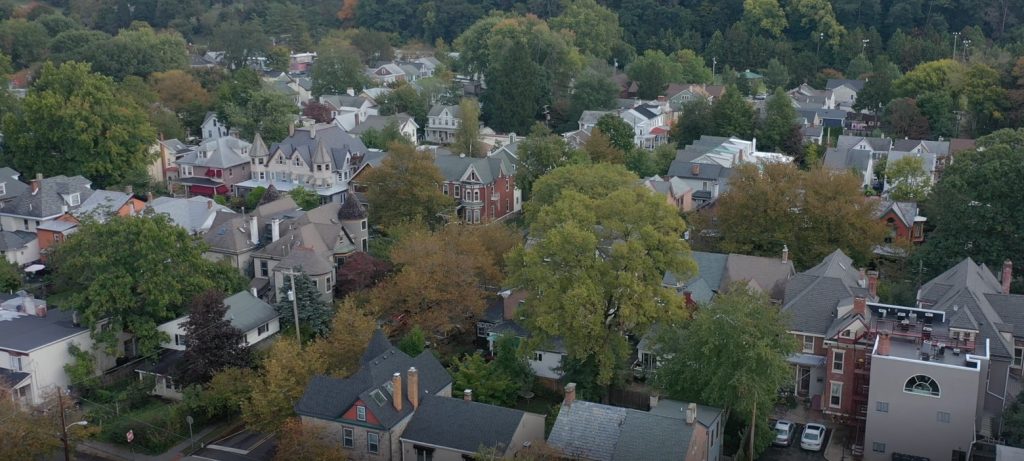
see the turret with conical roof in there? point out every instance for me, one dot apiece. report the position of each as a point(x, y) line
point(259, 148)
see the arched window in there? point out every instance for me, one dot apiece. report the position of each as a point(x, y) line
point(923, 385)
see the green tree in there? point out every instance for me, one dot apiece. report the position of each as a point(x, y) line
point(693, 122)
point(510, 361)
point(381, 139)
point(541, 152)
point(878, 90)
point(75, 45)
point(280, 384)
point(1013, 422)
point(731, 355)
point(405, 98)
point(279, 58)
point(817, 17)
point(314, 313)
point(406, 187)
point(776, 75)
point(595, 28)
point(337, 69)
point(663, 157)
point(24, 41)
point(944, 74)
point(780, 117)
point(373, 46)
point(592, 90)
point(305, 198)
point(731, 115)
point(765, 16)
point(903, 119)
point(599, 149)
point(988, 233)
point(467, 136)
point(859, 67)
point(694, 70)
point(259, 110)
point(10, 277)
point(907, 179)
point(595, 274)
point(413, 342)
point(653, 72)
point(939, 108)
point(240, 42)
point(33, 431)
point(213, 343)
point(138, 51)
point(148, 272)
point(488, 386)
point(617, 130)
point(74, 122)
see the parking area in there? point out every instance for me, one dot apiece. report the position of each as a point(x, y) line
point(794, 452)
point(244, 445)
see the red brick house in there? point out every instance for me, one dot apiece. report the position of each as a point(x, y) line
point(484, 188)
point(903, 220)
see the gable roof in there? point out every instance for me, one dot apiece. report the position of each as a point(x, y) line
point(454, 167)
point(15, 240)
point(328, 398)
point(463, 425)
point(13, 187)
point(247, 312)
point(51, 198)
point(220, 152)
point(906, 212)
point(304, 141)
point(25, 332)
point(103, 203)
point(813, 296)
point(837, 159)
point(380, 122)
point(855, 85)
point(436, 110)
point(195, 214)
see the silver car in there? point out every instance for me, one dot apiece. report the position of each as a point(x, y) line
point(785, 431)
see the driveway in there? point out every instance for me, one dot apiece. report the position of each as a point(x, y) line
point(244, 445)
point(794, 452)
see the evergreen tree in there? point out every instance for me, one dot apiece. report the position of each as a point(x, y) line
point(694, 122)
point(314, 313)
point(780, 117)
point(731, 115)
point(212, 344)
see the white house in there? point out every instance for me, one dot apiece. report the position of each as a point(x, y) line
point(442, 123)
point(212, 127)
point(257, 320)
point(19, 247)
point(349, 110)
point(405, 123)
point(35, 345)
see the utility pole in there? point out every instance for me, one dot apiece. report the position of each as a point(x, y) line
point(956, 38)
point(714, 63)
point(63, 425)
point(821, 36)
point(753, 424)
point(293, 293)
point(864, 47)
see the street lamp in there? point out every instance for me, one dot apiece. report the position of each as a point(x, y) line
point(956, 38)
point(64, 435)
point(967, 44)
point(821, 36)
point(864, 46)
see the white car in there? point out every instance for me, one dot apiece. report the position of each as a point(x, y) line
point(813, 437)
point(785, 432)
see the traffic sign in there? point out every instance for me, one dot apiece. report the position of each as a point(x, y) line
point(130, 436)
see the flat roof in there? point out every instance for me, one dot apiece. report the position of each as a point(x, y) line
point(936, 352)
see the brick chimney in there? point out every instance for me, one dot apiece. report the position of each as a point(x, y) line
point(129, 190)
point(860, 306)
point(873, 283)
point(785, 253)
point(396, 392)
point(467, 395)
point(35, 183)
point(688, 295)
point(570, 394)
point(510, 303)
point(1007, 276)
point(414, 387)
point(862, 278)
point(884, 344)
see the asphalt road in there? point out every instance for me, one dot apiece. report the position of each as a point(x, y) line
point(794, 452)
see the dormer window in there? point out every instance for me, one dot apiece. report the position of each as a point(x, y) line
point(361, 413)
point(74, 199)
point(3, 188)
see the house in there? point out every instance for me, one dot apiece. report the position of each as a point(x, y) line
point(387, 74)
point(35, 341)
point(501, 317)
point(368, 411)
point(10, 186)
point(484, 188)
point(822, 303)
point(164, 166)
point(670, 430)
point(404, 122)
point(300, 63)
point(442, 123)
point(468, 427)
point(858, 161)
point(212, 127)
point(678, 95)
point(105, 203)
point(194, 214)
point(650, 123)
point(214, 167)
point(317, 158)
point(254, 318)
point(844, 91)
point(904, 221)
point(862, 123)
point(47, 199)
point(19, 247)
point(349, 110)
point(675, 191)
point(707, 181)
point(812, 134)
point(833, 119)
point(806, 97)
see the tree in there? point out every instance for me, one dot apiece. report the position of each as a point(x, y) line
point(595, 28)
point(903, 119)
point(179, 90)
point(600, 149)
point(406, 187)
point(222, 397)
point(908, 180)
point(731, 115)
point(488, 386)
point(694, 70)
point(147, 272)
point(320, 113)
point(776, 75)
point(859, 67)
point(405, 98)
point(360, 272)
point(138, 51)
point(373, 46)
point(731, 355)
point(213, 343)
point(765, 16)
point(663, 157)
point(974, 208)
point(260, 110)
point(755, 216)
point(74, 122)
point(296, 440)
point(305, 198)
point(280, 384)
point(24, 41)
point(75, 45)
point(33, 431)
point(780, 117)
point(943, 74)
point(240, 41)
point(314, 313)
point(592, 90)
point(817, 17)
point(618, 131)
point(541, 152)
point(10, 277)
point(413, 342)
point(351, 329)
point(279, 58)
point(595, 274)
point(1013, 422)
point(467, 136)
point(337, 69)
point(878, 89)
point(653, 72)
point(693, 122)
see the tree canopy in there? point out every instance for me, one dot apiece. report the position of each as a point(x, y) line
point(212, 344)
point(406, 187)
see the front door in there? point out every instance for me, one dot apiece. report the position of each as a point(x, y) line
point(803, 381)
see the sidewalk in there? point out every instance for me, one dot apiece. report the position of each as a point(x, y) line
point(113, 452)
point(836, 449)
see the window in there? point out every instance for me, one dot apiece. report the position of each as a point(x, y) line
point(423, 453)
point(882, 407)
point(26, 224)
point(847, 333)
point(348, 437)
point(15, 363)
point(507, 181)
point(878, 447)
point(456, 190)
point(264, 268)
point(835, 399)
point(942, 417)
point(262, 329)
point(704, 185)
point(1018, 357)
point(372, 442)
point(181, 340)
point(295, 161)
point(808, 343)
point(538, 356)
point(476, 195)
point(444, 188)
point(361, 413)
point(363, 225)
point(837, 361)
point(3, 188)
point(922, 385)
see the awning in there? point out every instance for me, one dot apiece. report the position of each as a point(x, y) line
point(35, 268)
point(807, 360)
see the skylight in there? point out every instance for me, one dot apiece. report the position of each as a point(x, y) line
point(378, 397)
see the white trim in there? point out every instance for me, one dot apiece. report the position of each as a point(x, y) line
point(430, 445)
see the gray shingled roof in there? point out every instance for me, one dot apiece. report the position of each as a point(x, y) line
point(306, 260)
point(436, 110)
point(15, 240)
point(246, 311)
point(335, 139)
point(379, 122)
point(222, 152)
point(834, 83)
point(25, 333)
point(838, 159)
point(462, 425)
point(192, 214)
point(102, 204)
point(13, 187)
point(488, 169)
point(51, 198)
point(11, 378)
point(905, 211)
point(709, 171)
point(812, 296)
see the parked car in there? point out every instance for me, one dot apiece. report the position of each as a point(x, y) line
point(785, 432)
point(813, 437)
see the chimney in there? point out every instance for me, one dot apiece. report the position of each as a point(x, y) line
point(129, 190)
point(1007, 276)
point(35, 183)
point(28, 304)
point(655, 400)
point(873, 283)
point(74, 319)
point(291, 128)
point(862, 278)
point(688, 295)
point(41, 310)
point(312, 131)
point(691, 413)
point(785, 253)
point(254, 230)
point(695, 169)
point(467, 395)
point(570, 394)
point(350, 91)
point(275, 230)
point(860, 306)
point(396, 393)
point(884, 346)
point(163, 158)
point(209, 204)
point(414, 387)
point(149, 197)
point(253, 291)
point(510, 303)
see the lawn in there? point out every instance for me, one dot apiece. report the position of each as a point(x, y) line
point(157, 425)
